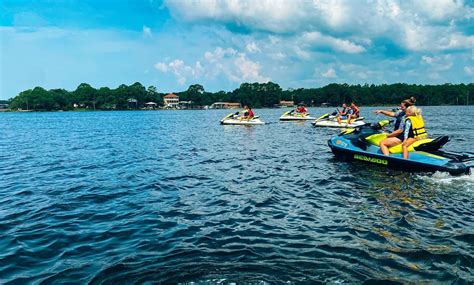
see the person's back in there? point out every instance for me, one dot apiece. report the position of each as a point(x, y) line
point(301, 110)
point(354, 110)
point(250, 114)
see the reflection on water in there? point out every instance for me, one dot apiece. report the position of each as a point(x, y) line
point(174, 197)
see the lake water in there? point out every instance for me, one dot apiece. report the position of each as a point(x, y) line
point(174, 197)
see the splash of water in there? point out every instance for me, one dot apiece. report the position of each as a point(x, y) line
point(444, 179)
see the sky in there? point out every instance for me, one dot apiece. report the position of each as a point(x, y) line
point(221, 44)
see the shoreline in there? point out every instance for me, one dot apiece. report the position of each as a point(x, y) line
point(202, 109)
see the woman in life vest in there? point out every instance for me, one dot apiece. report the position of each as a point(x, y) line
point(414, 128)
point(353, 112)
point(395, 137)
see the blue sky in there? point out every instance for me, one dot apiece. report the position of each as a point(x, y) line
point(220, 44)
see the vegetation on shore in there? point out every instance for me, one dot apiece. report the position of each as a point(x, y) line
point(254, 94)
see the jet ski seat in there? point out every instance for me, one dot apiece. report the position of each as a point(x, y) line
point(428, 145)
point(433, 145)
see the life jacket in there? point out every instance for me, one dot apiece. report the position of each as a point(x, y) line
point(418, 126)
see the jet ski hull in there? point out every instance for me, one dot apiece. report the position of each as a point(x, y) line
point(243, 122)
point(296, 118)
point(335, 124)
point(345, 149)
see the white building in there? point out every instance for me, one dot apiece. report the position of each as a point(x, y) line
point(171, 101)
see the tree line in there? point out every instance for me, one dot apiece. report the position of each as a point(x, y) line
point(256, 95)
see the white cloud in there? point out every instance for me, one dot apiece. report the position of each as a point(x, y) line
point(440, 9)
point(252, 47)
point(362, 72)
point(317, 39)
point(334, 13)
point(273, 39)
point(418, 25)
point(181, 71)
point(427, 59)
point(219, 54)
point(161, 67)
point(277, 55)
point(147, 32)
point(249, 70)
point(330, 73)
point(302, 54)
point(276, 15)
point(438, 63)
point(469, 70)
point(434, 76)
point(234, 66)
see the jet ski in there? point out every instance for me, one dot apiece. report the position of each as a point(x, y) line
point(235, 119)
point(294, 116)
point(362, 144)
point(330, 121)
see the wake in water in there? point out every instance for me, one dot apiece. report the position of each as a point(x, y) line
point(444, 179)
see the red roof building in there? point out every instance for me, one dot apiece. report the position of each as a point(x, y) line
point(171, 101)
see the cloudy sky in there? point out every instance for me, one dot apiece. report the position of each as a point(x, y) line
point(220, 44)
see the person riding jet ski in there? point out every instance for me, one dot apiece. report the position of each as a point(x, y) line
point(342, 114)
point(301, 110)
point(362, 144)
point(298, 114)
point(396, 137)
point(345, 118)
point(354, 113)
point(414, 128)
point(247, 114)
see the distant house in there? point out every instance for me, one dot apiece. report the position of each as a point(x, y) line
point(287, 103)
point(150, 105)
point(3, 106)
point(132, 103)
point(325, 104)
point(225, 105)
point(186, 105)
point(171, 101)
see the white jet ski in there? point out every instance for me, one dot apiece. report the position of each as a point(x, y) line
point(234, 119)
point(331, 122)
point(293, 116)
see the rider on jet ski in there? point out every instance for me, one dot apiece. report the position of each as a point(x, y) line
point(353, 113)
point(414, 128)
point(342, 115)
point(301, 109)
point(396, 137)
point(247, 114)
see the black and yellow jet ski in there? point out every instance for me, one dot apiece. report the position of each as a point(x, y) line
point(362, 144)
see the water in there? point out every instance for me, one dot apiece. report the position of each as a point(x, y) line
point(174, 197)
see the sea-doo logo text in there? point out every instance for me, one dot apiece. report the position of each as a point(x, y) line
point(370, 159)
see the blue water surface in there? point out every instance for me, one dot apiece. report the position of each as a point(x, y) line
point(173, 197)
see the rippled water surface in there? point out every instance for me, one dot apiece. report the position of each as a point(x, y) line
point(174, 197)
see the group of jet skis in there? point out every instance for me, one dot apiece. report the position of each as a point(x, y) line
point(408, 147)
